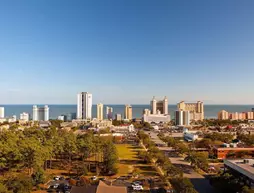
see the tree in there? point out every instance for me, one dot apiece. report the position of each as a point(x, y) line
point(20, 184)
point(38, 177)
point(197, 159)
point(3, 189)
point(183, 185)
point(110, 157)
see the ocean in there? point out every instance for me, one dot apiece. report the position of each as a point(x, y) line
point(56, 110)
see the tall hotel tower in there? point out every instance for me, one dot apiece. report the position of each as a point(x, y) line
point(84, 105)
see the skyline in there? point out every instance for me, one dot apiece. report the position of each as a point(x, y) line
point(125, 52)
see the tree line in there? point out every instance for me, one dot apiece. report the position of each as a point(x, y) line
point(171, 172)
point(25, 155)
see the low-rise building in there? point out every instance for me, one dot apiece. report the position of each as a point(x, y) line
point(156, 118)
point(242, 166)
point(101, 123)
point(224, 152)
point(24, 116)
point(62, 118)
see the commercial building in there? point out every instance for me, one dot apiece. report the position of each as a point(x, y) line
point(196, 109)
point(156, 118)
point(118, 117)
point(109, 112)
point(100, 111)
point(101, 123)
point(40, 113)
point(245, 167)
point(223, 152)
point(84, 105)
point(190, 136)
point(24, 116)
point(182, 118)
point(159, 107)
point(128, 112)
point(1, 112)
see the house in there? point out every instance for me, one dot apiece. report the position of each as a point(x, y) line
point(101, 188)
point(83, 189)
point(104, 188)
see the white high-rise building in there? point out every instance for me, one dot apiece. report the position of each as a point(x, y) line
point(100, 111)
point(40, 113)
point(109, 112)
point(24, 116)
point(1, 112)
point(159, 107)
point(182, 118)
point(84, 105)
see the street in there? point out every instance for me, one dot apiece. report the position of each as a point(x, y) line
point(200, 183)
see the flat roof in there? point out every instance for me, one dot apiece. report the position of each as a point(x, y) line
point(239, 165)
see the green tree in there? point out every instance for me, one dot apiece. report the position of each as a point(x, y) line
point(3, 188)
point(110, 157)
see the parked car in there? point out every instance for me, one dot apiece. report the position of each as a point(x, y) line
point(55, 186)
point(137, 187)
point(57, 177)
point(94, 178)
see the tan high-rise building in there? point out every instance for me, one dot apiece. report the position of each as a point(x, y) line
point(223, 115)
point(159, 107)
point(100, 111)
point(128, 112)
point(250, 115)
point(196, 109)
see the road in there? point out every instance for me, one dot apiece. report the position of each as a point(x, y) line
point(200, 183)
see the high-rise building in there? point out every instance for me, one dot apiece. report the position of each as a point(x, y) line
point(100, 111)
point(182, 118)
point(128, 112)
point(24, 116)
point(196, 109)
point(1, 112)
point(109, 112)
point(118, 117)
point(84, 106)
point(159, 107)
point(40, 113)
point(223, 115)
point(250, 115)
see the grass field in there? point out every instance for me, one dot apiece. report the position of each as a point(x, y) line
point(128, 161)
point(127, 151)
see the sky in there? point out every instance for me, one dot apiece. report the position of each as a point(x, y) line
point(126, 51)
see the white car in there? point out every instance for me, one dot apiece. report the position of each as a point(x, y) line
point(57, 178)
point(55, 186)
point(137, 187)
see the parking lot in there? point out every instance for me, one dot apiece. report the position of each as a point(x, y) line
point(59, 184)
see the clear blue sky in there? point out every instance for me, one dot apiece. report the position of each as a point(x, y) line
point(126, 51)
